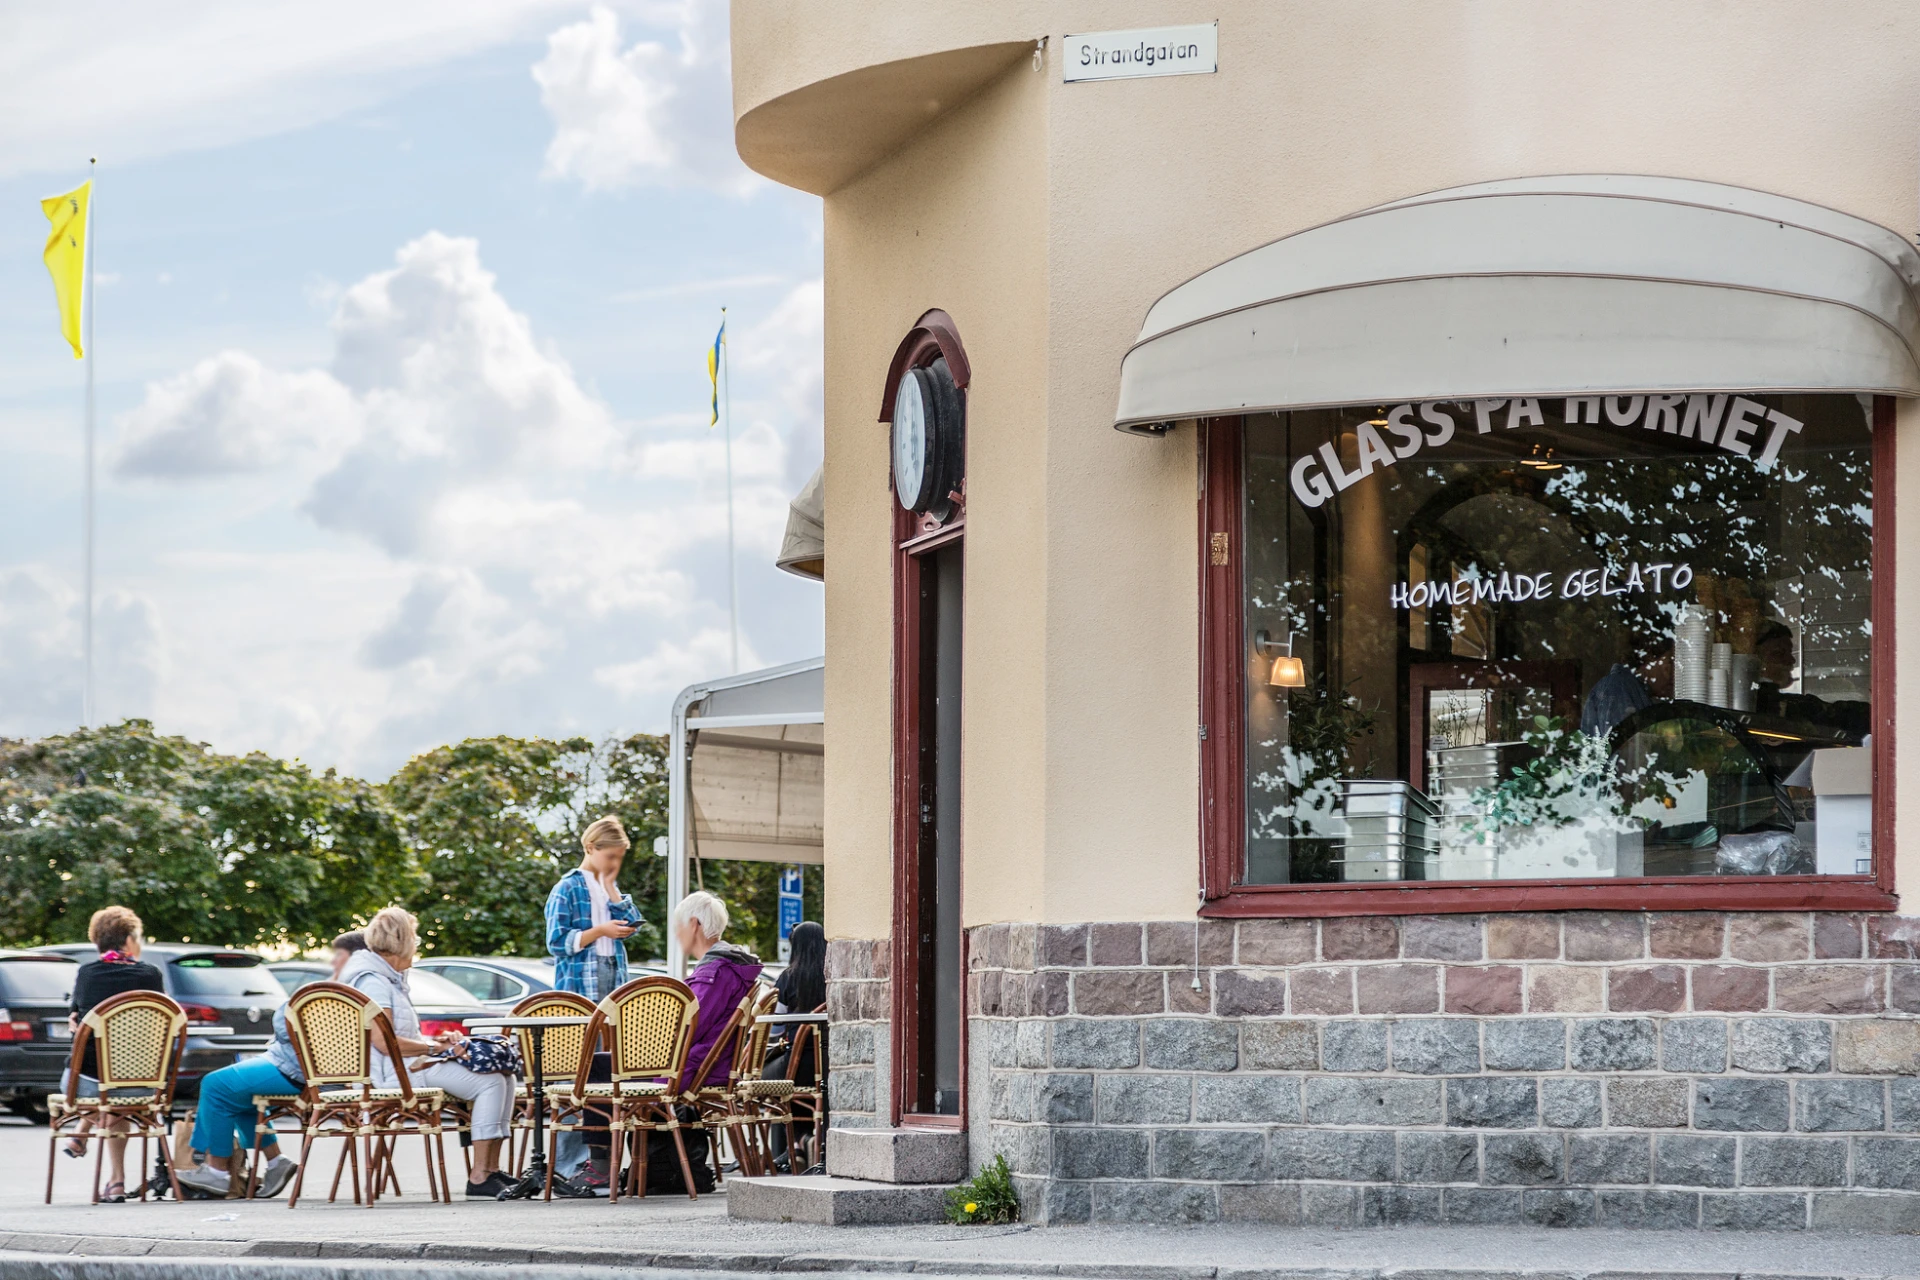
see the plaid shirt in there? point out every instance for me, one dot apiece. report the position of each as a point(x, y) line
point(570, 914)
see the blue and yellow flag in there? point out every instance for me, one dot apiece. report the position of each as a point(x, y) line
point(66, 256)
point(713, 365)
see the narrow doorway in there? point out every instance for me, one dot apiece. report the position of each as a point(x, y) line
point(936, 1088)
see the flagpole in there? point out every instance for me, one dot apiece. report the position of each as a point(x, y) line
point(733, 579)
point(86, 621)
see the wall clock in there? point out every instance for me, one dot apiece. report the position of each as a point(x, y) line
point(929, 440)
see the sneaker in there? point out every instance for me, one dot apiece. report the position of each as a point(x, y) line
point(204, 1178)
point(274, 1178)
point(490, 1188)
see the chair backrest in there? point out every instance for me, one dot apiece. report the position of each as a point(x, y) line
point(331, 1026)
point(138, 1036)
point(804, 1034)
point(648, 1023)
point(750, 1050)
point(562, 1049)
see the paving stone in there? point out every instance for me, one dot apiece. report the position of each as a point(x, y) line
point(1171, 943)
point(1524, 1159)
point(1114, 944)
point(1877, 1046)
point(1365, 1100)
point(1400, 1207)
point(1109, 1045)
point(1768, 935)
point(1687, 935)
point(1483, 989)
point(1612, 1044)
point(1249, 992)
point(1192, 1044)
point(1526, 1044)
point(1793, 1162)
point(1605, 935)
point(1360, 938)
point(1277, 1204)
point(1660, 988)
point(1280, 1046)
point(1888, 1163)
point(1247, 1099)
point(1275, 942)
point(1428, 1156)
point(1782, 1044)
point(1212, 1155)
point(1559, 1208)
point(1099, 1153)
point(1650, 1210)
point(1570, 1104)
point(1644, 1103)
point(1322, 991)
point(1832, 1106)
point(1354, 1046)
point(1609, 1158)
point(1397, 988)
point(1697, 1045)
point(1492, 1102)
point(1481, 1206)
point(1144, 1099)
point(1837, 936)
point(1729, 988)
point(1170, 1203)
point(1564, 989)
point(1332, 1155)
point(1442, 937)
point(1837, 988)
point(1687, 1161)
point(1120, 991)
point(1436, 1046)
point(1742, 1105)
point(1757, 1211)
point(1329, 1206)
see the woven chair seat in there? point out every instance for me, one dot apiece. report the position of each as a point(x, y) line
point(57, 1103)
point(629, 1089)
point(424, 1097)
point(277, 1099)
point(768, 1088)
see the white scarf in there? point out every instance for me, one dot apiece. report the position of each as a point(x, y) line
point(597, 897)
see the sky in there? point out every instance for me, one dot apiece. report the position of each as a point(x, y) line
point(402, 314)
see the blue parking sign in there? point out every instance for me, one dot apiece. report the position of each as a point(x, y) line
point(790, 900)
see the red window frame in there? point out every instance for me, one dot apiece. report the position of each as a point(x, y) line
point(1223, 753)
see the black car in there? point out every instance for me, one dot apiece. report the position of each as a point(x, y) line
point(34, 1042)
point(230, 998)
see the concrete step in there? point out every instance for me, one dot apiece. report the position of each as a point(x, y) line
point(834, 1202)
point(898, 1155)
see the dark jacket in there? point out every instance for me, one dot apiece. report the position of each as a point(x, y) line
point(96, 981)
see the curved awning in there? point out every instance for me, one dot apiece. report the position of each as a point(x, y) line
point(1538, 286)
point(803, 549)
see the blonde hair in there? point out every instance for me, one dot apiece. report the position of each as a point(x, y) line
point(111, 928)
point(704, 910)
point(393, 931)
point(604, 833)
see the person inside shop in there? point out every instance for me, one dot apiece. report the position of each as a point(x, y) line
point(117, 934)
point(802, 988)
point(225, 1114)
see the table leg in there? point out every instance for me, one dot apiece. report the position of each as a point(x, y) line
point(534, 1181)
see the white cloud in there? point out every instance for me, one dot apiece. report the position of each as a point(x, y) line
point(41, 654)
point(788, 350)
point(232, 414)
point(672, 666)
point(659, 112)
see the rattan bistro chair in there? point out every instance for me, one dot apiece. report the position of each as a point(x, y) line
point(138, 1037)
point(332, 1027)
point(647, 1025)
point(562, 1052)
point(724, 1105)
point(780, 1100)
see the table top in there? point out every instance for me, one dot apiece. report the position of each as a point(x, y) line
point(819, 1018)
point(573, 1020)
point(211, 1029)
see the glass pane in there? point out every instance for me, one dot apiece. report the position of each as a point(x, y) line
point(224, 976)
point(37, 979)
point(1558, 639)
point(478, 983)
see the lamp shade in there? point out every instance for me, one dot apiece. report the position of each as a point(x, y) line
point(1288, 672)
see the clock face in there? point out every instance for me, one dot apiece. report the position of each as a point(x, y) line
point(910, 443)
point(929, 440)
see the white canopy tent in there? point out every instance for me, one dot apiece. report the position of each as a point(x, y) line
point(746, 773)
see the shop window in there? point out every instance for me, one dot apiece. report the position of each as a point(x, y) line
point(1622, 644)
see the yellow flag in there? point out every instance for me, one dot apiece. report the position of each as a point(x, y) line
point(66, 256)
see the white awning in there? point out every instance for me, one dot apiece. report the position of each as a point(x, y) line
point(803, 551)
point(1542, 287)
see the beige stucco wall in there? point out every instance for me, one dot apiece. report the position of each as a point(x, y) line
point(1047, 217)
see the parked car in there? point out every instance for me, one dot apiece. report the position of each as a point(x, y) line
point(500, 982)
point(35, 989)
point(229, 996)
point(442, 1006)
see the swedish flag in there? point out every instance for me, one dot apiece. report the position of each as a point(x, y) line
point(713, 365)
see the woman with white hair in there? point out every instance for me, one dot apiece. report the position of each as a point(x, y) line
point(720, 978)
point(393, 939)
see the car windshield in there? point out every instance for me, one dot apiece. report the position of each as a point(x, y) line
point(37, 979)
point(431, 989)
point(294, 977)
point(223, 975)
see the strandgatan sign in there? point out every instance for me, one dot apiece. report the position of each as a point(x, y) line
point(1143, 51)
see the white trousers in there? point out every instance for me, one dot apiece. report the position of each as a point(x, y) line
point(491, 1095)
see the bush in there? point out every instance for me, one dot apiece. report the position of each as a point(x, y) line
point(988, 1197)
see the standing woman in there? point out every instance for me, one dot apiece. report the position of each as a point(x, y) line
point(116, 932)
point(802, 988)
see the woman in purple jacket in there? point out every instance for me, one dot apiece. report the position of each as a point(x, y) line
point(721, 976)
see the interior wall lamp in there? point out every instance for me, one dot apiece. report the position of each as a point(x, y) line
point(1288, 671)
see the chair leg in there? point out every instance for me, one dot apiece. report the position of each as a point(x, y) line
point(166, 1154)
point(373, 1173)
point(253, 1160)
point(640, 1149)
point(553, 1154)
point(53, 1151)
point(340, 1167)
point(300, 1174)
point(686, 1170)
point(99, 1154)
point(616, 1144)
point(440, 1152)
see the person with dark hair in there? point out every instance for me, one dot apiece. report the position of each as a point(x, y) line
point(225, 1115)
point(803, 988)
point(116, 933)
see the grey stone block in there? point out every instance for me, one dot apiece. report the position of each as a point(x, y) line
point(1609, 1158)
point(1526, 1044)
point(1650, 1210)
point(1559, 1208)
point(1144, 1099)
point(1647, 1103)
point(1192, 1044)
point(1436, 1046)
point(1097, 1153)
point(1280, 1046)
point(1360, 1100)
point(1027, 1147)
point(1275, 1203)
point(1745, 1106)
point(833, 1202)
point(1782, 1044)
point(1858, 1211)
point(1064, 1099)
point(1889, 1163)
point(1524, 1159)
point(1063, 1203)
point(1400, 1207)
point(1694, 1162)
point(1329, 1206)
point(1492, 1102)
point(850, 1090)
point(1829, 1106)
point(1029, 1043)
point(1697, 1045)
point(1570, 1104)
point(1480, 1206)
point(1427, 1156)
point(1333, 1154)
point(853, 1043)
point(1011, 1095)
point(1246, 1099)
point(1209, 1155)
point(1904, 1111)
point(1612, 1044)
point(1168, 1203)
point(1793, 1162)
point(1106, 1044)
point(1354, 1046)
point(1759, 1211)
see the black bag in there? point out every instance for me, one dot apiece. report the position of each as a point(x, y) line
point(663, 1158)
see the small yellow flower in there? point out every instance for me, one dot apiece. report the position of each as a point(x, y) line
point(972, 1207)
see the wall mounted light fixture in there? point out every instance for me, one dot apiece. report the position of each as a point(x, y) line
point(1288, 671)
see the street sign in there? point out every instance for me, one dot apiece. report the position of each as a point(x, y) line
point(790, 899)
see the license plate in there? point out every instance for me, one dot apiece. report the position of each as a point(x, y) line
point(58, 1030)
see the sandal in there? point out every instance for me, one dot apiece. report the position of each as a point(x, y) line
point(115, 1193)
point(75, 1147)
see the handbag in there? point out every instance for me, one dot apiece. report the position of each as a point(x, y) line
point(487, 1055)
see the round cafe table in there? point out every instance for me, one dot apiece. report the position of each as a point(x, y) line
point(820, 1121)
point(534, 1181)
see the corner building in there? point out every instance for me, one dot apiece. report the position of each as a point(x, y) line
point(1363, 629)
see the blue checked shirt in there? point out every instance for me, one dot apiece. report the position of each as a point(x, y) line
point(570, 914)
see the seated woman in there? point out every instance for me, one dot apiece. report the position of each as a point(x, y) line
point(720, 977)
point(803, 988)
point(393, 939)
point(116, 932)
point(226, 1113)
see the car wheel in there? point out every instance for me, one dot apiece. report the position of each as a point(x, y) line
point(31, 1109)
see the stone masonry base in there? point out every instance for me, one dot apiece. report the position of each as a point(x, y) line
point(1696, 1069)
